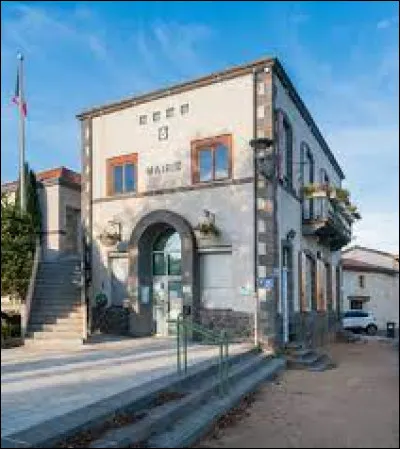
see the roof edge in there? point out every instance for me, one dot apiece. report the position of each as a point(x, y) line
point(370, 250)
point(231, 72)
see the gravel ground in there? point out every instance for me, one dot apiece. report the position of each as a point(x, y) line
point(354, 405)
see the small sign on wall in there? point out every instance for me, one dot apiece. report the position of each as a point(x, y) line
point(266, 282)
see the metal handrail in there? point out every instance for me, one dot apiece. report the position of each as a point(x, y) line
point(183, 327)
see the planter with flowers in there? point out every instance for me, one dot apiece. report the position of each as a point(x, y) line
point(109, 239)
point(315, 190)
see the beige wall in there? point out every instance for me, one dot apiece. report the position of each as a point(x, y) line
point(383, 289)
point(68, 198)
point(49, 196)
point(220, 108)
point(216, 109)
point(54, 198)
point(233, 208)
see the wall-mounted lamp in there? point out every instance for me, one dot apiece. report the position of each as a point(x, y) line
point(261, 143)
point(291, 235)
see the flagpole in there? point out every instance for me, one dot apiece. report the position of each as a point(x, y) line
point(21, 105)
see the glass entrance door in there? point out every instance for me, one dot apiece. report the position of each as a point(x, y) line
point(167, 285)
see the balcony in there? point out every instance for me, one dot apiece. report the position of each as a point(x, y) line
point(325, 219)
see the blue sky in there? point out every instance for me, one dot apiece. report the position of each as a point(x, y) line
point(342, 56)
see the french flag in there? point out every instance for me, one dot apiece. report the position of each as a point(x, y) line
point(17, 97)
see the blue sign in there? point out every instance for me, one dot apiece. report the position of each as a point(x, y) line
point(266, 283)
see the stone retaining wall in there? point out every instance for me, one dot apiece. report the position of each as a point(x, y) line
point(237, 324)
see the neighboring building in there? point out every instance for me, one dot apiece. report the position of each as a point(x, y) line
point(60, 203)
point(371, 283)
point(160, 169)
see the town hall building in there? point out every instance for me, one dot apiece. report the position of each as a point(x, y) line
point(211, 198)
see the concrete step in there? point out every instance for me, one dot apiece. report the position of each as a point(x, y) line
point(56, 311)
point(76, 327)
point(74, 317)
point(163, 417)
point(60, 314)
point(188, 430)
point(48, 335)
point(48, 297)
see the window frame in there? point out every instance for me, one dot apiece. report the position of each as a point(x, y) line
point(361, 281)
point(211, 143)
point(143, 119)
point(288, 130)
point(158, 115)
point(184, 108)
point(121, 161)
point(170, 112)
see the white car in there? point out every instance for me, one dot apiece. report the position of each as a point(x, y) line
point(357, 320)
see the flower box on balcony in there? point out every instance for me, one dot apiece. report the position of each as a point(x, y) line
point(315, 191)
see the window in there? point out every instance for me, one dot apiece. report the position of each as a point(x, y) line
point(184, 108)
point(167, 254)
point(361, 281)
point(356, 304)
point(143, 119)
point(324, 178)
point(311, 299)
point(328, 286)
point(122, 174)
point(156, 116)
point(288, 149)
point(170, 112)
point(212, 159)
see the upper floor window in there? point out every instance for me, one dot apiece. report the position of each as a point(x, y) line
point(156, 116)
point(143, 119)
point(288, 148)
point(122, 174)
point(170, 112)
point(212, 159)
point(285, 134)
point(324, 178)
point(361, 281)
point(184, 108)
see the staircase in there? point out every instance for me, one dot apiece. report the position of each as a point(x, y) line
point(298, 356)
point(56, 311)
point(173, 411)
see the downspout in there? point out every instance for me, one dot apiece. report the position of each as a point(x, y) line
point(255, 179)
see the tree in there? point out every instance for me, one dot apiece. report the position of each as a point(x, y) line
point(17, 249)
point(32, 199)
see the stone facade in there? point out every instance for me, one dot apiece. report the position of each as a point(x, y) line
point(257, 214)
point(238, 325)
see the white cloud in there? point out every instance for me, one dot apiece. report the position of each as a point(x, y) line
point(387, 23)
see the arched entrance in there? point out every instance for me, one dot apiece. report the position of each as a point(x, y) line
point(163, 272)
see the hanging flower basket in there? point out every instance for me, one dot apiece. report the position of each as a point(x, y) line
point(109, 239)
point(208, 229)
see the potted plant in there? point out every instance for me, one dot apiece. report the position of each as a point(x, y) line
point(352, 209)
point(109, 238)
point(315, 190)
point(209, 229)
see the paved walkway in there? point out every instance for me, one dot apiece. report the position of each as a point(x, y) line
point(39, 383)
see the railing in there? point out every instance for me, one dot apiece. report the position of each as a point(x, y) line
point(184, 328)
point(26, 307)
